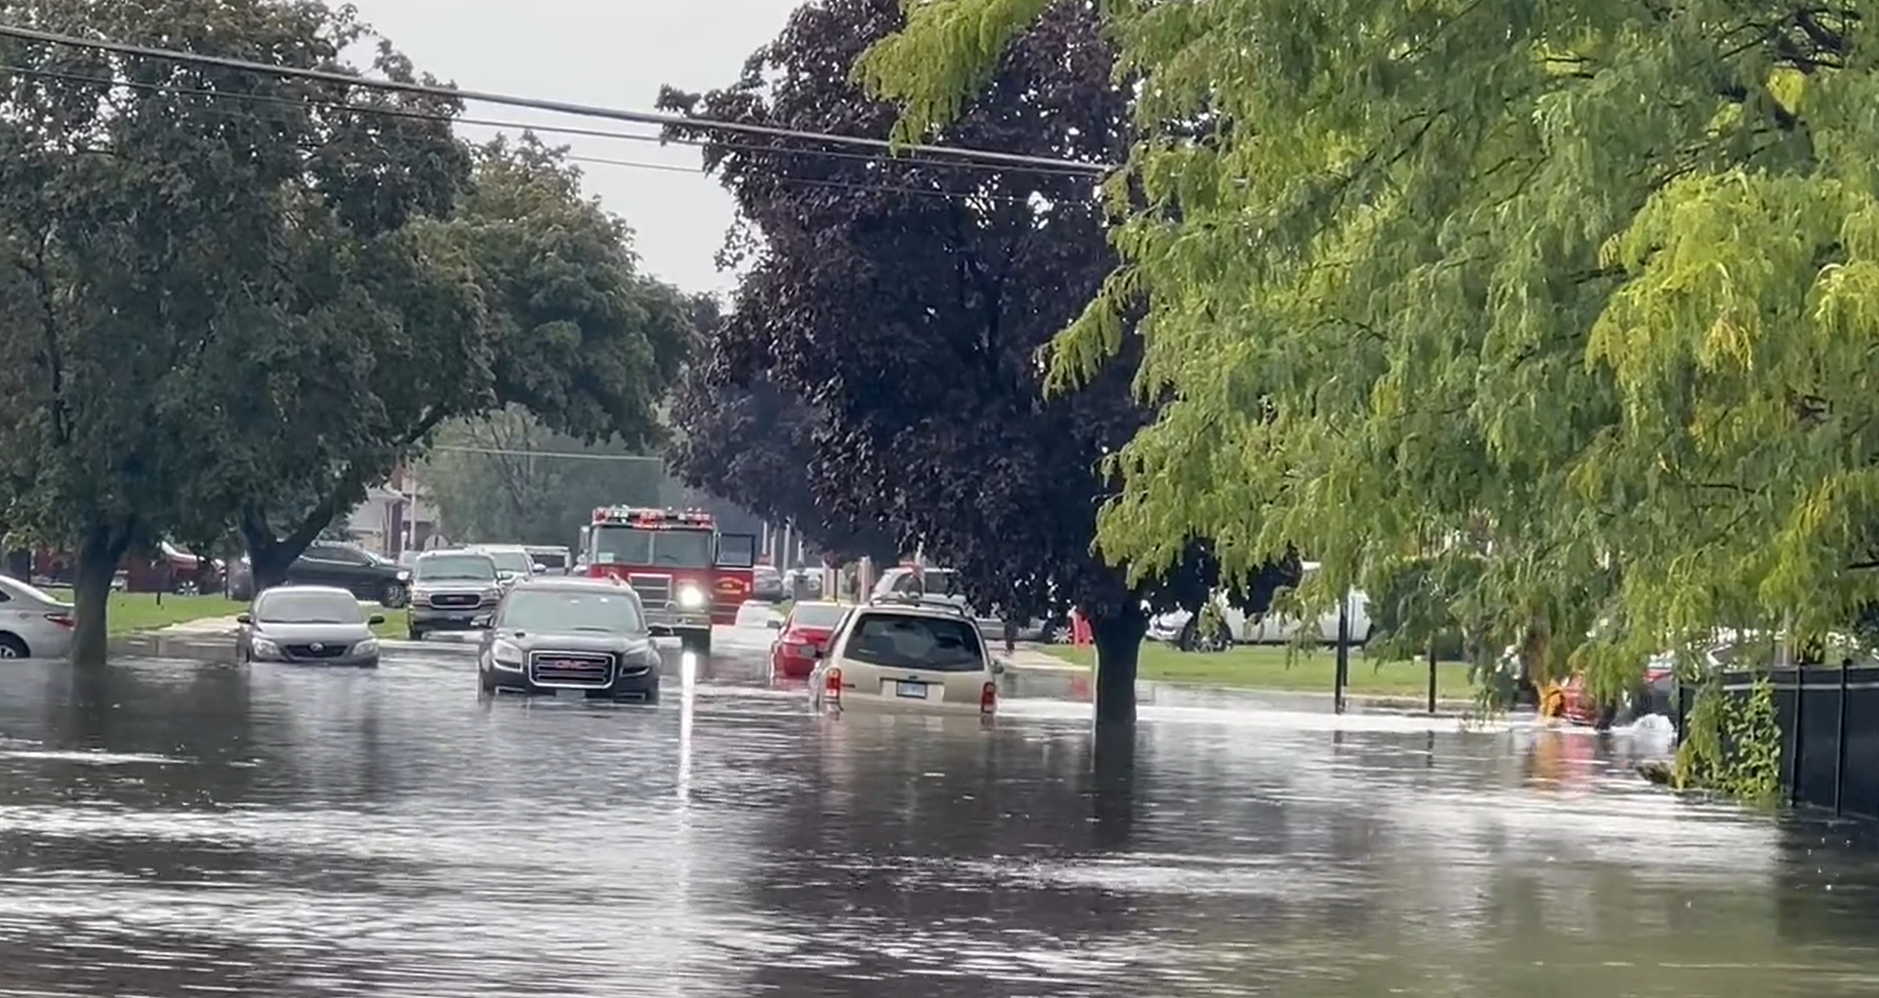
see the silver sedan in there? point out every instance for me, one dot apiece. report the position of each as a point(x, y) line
point(32, 623)
point(308, 625)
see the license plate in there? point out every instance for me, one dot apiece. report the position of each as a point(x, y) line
point(912, 691)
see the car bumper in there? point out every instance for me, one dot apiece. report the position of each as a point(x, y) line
point(453, 619)
point(632, 682)
point(680, 620)
point(368, 660)
point(791, 666)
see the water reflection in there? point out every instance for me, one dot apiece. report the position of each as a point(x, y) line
point(169, 828)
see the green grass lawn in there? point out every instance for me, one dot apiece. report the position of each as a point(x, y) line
point(134, 612)
point(1267, 668)
point(397, 623)
point(131, 612)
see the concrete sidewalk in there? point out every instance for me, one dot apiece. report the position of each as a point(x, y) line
point(1044, 664)
point(202, 627)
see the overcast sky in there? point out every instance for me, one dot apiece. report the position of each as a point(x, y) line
point(607, 52)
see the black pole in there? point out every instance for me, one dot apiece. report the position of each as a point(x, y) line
point(1431, 677)
point(1343, 677)
point(1839, 748)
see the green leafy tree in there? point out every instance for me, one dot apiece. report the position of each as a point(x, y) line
point(159, 219)
point(505, 478)
point(566, 327)
point(1595, 281)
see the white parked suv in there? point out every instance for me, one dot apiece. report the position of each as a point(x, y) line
point(906, 654)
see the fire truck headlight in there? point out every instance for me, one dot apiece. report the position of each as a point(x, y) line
point(691, 597)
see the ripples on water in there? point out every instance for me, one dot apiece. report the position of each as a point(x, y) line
point(178, 828)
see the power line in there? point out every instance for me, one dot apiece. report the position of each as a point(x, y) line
point(568, 130)
point(401, 113)
point(570, 455)
point(537, 104)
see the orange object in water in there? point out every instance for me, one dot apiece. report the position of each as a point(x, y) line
point(1552, 701)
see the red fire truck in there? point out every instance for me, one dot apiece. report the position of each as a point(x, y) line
point(688, 573)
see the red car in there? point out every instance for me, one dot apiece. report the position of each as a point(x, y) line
point(793, 653)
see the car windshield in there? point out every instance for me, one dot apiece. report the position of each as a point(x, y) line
point(556, 559)
point(549, 611)
point(512, 561)
point(456, 568)
point(663, 548)
point(819, 615)
point(903, 641)
point(307, 608)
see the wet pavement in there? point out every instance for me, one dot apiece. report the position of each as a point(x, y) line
point(180, 827)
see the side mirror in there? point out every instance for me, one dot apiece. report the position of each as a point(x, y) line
point(539, 568)
point(773, 624)
point(659, 631)
point(482, 621)
point(375, 620)
point(245, 619)
point(998, 667)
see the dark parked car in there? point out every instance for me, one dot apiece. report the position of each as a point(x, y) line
point(329, 563)
point(766, 584)
point(583, 636)
point(307, 625)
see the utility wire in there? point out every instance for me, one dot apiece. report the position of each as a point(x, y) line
point(537, 104)
point(597, 133)
point(699, 171)
point(570, 455)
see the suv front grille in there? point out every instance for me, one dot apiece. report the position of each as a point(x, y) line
point(654, 590)
point(570, 669)
point(456, 601)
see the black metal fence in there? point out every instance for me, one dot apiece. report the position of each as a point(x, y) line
point(1829, 722)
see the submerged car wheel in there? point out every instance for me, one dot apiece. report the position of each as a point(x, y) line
point(12, 647)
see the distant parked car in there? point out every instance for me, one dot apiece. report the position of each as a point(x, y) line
point(766, 584)
point(1232, 626)
point(307, 625)
point(345, 566)
point(513, 562)
point(33, 624)
point(906, 580)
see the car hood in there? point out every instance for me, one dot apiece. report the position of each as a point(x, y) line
point(312, 633)
point(624, 644)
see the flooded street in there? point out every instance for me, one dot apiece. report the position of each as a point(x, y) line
point(184, 828)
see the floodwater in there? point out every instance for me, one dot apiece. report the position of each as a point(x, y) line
point(184, 828)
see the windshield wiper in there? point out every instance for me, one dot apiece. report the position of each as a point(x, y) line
point(591, 627)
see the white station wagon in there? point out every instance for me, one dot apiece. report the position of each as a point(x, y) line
point(906, 654)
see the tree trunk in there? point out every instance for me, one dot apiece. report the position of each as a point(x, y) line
point(269, 557)
point(97, 560)
point(1118, 650)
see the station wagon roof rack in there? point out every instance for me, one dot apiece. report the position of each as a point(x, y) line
point(918, 600)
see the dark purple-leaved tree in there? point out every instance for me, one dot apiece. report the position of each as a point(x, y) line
point(906, 300)
point(755, 445)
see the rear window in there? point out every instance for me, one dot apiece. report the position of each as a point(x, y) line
point(817, 614)
point(901, 641)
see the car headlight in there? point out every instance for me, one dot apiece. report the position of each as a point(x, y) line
point(507, 654)
point(262, 646)
point(691, 597)
point(367, 647)
point(420, 594)
point(404, 575)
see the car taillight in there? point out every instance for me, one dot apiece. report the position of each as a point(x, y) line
point(833, 686)
point(62, 619)
point(988, 698)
